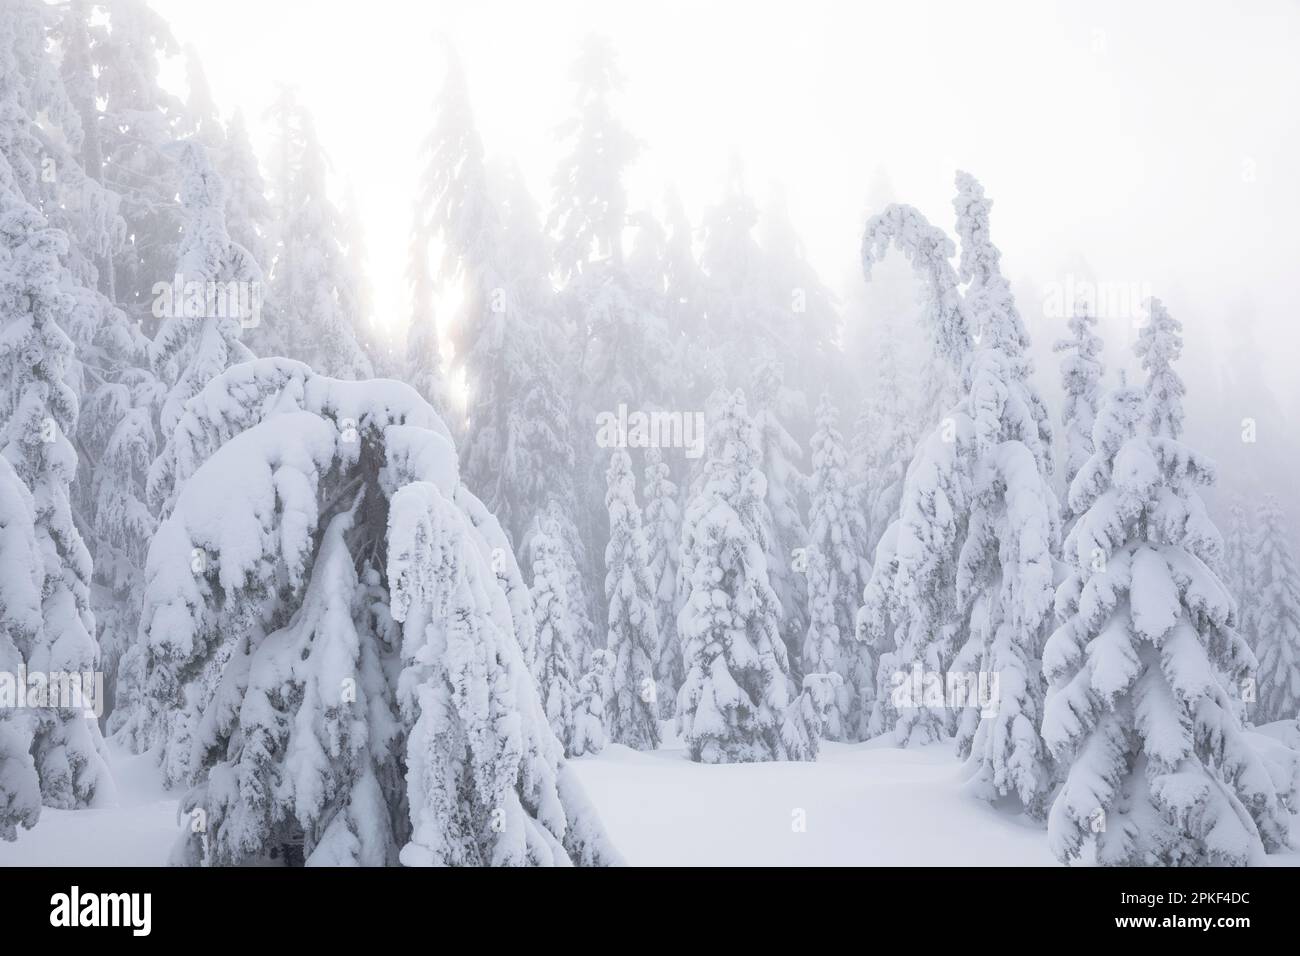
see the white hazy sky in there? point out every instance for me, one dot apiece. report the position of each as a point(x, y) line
point(1160, 141)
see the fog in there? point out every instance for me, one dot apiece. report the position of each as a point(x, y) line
point(1154, 143)
point(646, 385)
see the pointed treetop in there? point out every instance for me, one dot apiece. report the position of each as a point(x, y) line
point(1159, 345)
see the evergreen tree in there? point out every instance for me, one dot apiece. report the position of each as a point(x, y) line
point(910, 612)
point(1005, 572)
point(248, 213)
point(589, 733)
point(1081, 372)
point(947, 325)
point(1159, 772)
point(663, 525)
point(575, 583)
point(1238, 564)
point(779, 456)
point(559, 653)
point(376, 342)
point(740, 327)
point(202, 119)
point(963, 579)
point(836, 575)
point(362, 693)
point(38, 411)
point(806, 718)
point(21, 626)
point(216, 292)
point(883, 443)
point(633, 631)
point(1276, 582)
point(590, 203)
point(123, 521)
point(137, 120)
point(734, 696)
point(804, 323)
point(1159, 345)
point(613, 307)
point(58, 166)
point(424, 366)
point(684, 303)
point(517, 453)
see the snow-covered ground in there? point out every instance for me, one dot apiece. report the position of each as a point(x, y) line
point(138, 831)
point(858, 805)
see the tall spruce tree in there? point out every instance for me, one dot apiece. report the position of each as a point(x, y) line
point(837, 572)
point(779, 458)
point(1276, 619)
point(633, 633)
point(736, 689)
point(1158, 771)
point(559, 652)
point(38, 411)
point(1238, 567)
point(663, 530)
point(1081, 372)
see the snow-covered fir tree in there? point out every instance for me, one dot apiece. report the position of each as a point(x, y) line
point(51, 142)
point(1275, 582)
point(38, 411)
point(1081, 372)
point(21, 626)
point(883, 441)
point(202, 118)
point(214, 293)
point(589, 731)
point(804, 320)
point(60, 97)
point(559, 653)
point(424, 366)
point(1239, 566)
point(910, 613)
point(357, 296)
point(808, 716)
point(837, 571)
point(486, 778)
point(929, 250)
point(663, 531)
point(779, 457)
point(517, 454)
point(963, 579)
point(613, 308)
point(121, 429)
point(736, 688)
point(575, 584)
point(1158, 769)
point(684, 303)
point(633, 632)
point(590, 203)
point(1159, 345)
point(1005, 572)
point(249, 219)
point(363, 629)
point(138, 118)
point(740, 328)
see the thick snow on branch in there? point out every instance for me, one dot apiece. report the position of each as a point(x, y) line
point(337, 644)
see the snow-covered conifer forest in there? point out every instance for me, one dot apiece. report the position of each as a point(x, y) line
point(598, 434)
